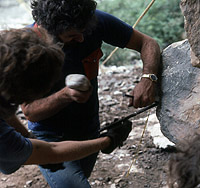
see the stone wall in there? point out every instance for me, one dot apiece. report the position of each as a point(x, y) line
point(191, 12)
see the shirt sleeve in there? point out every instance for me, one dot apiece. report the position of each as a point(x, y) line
point(14, 149)
point(114, 31)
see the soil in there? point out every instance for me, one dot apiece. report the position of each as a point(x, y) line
point(149, 163)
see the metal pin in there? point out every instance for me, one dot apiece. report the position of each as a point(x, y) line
point(126, 95)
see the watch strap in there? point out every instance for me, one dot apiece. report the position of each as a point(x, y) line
point(152, 77)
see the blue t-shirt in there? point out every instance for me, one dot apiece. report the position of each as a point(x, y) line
point(14, 149)
point(81, 121)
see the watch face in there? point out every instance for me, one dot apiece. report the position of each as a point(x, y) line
point(153, 77)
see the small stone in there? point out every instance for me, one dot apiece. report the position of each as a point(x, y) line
point(118, 180)
point(29, 183)
point(11, 185)
point(113, 186)
point(106, 88)
point(4, 179)
point(117, 93)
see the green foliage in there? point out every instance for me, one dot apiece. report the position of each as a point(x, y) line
point(164, 21)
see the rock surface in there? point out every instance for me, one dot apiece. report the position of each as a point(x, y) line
point(179, 108)
point(191, 12)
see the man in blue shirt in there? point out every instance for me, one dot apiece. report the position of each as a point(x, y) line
point(30, 63)
point(62, 115)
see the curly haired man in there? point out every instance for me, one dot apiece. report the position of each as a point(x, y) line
point(62, 115)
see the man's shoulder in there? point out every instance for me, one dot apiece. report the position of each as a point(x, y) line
point(14, 148)
point(99, 12)
point(105, 20)
point(4, 127)
point(109, 20)
point(102, 15)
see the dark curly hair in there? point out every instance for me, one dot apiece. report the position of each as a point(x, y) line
point(57, 16)
point(184, 165)
point(30, 63)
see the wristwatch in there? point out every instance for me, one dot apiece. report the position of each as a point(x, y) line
point(152, 77)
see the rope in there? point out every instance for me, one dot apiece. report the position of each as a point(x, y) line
point(138, 20)
point(139, 145)
point(111, 54)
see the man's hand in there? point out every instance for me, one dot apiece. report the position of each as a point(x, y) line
point(118, 135)
point(46, 107)
point(144, 93)
point(78, 96)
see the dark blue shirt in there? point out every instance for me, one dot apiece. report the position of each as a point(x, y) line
point(14, 149)
point(81, 121)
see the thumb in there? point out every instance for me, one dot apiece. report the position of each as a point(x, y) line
point(131, 100)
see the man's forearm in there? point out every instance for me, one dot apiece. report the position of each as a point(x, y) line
point(46, 107)
point(150, 55)
point(56, 152)
point(149, 50)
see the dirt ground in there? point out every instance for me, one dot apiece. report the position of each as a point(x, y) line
point(149, 169)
